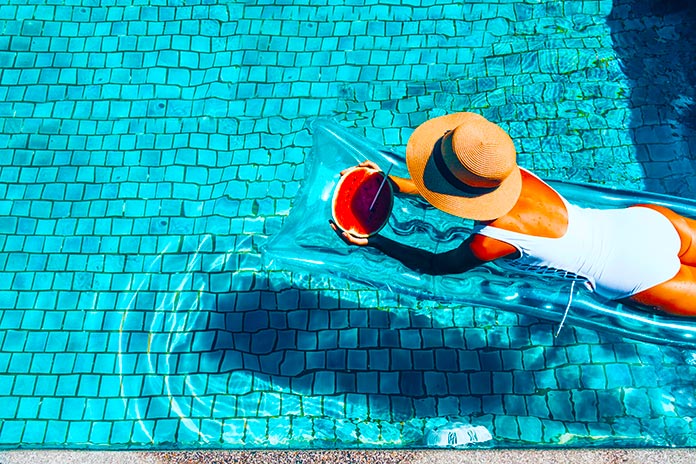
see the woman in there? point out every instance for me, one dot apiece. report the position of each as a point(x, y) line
point(466, 166)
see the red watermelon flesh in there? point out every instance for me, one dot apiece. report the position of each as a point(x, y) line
point(353, 196)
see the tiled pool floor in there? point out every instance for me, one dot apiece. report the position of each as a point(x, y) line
point(148, 149)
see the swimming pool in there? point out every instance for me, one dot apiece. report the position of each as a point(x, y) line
point(148, 150)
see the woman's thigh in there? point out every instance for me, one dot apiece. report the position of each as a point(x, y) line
point(676, 296)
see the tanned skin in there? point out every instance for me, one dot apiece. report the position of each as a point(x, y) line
point(539, 211)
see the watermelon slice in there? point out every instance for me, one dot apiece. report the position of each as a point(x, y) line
point(353, 196)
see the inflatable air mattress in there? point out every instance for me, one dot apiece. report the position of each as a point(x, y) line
point(307, 243)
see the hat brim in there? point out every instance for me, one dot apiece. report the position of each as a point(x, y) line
point(441, 191)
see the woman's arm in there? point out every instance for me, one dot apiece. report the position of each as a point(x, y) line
point(399, 184)
point(455, 261)
point(403, 185)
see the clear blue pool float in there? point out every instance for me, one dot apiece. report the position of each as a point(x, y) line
point(306, 243)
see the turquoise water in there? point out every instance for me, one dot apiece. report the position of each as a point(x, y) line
point(149, 149)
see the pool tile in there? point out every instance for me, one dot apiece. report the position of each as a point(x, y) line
point(11, 432)
point(357, 340)
point(620, 375)
point(636, 402)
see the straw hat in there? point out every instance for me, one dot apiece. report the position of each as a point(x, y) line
point(465, 165)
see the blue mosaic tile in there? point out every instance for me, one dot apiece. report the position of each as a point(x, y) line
point(11, 432)
point(143, 432)
point(34, 432)
point(100, 432)
point(121, 432)
point(75, 201)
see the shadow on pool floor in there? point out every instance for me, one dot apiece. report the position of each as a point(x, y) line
point(362, 362)
point(655, 42)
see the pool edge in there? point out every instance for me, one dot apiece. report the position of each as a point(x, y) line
point(576, 456)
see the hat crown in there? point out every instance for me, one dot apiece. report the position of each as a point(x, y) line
point(464, 165)
point(479, 153)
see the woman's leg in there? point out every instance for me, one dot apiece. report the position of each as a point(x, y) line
point(676, 296)
point(686, 228)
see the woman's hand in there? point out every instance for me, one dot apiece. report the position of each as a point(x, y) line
point(399, 184)
point(364, 164)
point(347, 237)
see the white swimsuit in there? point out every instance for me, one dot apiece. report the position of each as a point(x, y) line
point(618, 252)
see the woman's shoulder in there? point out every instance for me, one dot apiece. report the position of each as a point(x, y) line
point(529, 179)
point(539, 211)
point(537, 195)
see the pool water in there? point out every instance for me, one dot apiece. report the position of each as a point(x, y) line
point(149, 149)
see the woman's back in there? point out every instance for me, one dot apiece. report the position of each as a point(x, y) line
point(539, 211)
point(619, 252)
